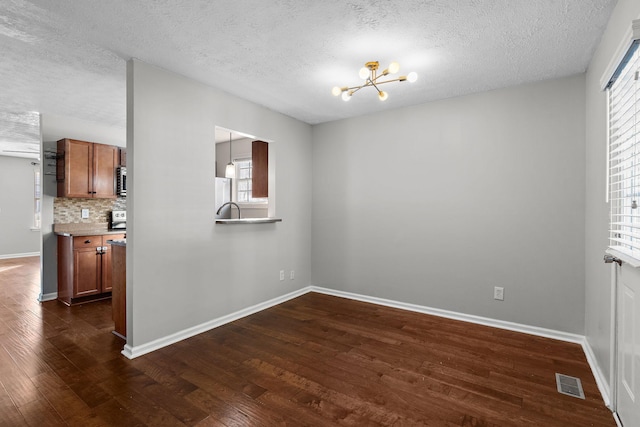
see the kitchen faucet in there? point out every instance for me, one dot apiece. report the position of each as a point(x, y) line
point(230, 203)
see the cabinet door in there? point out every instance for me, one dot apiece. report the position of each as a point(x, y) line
point(76, 179)
point(87, 268)
point(260, 169)
point(105, 161)
point(107, 271)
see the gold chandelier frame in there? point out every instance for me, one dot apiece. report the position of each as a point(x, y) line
point(372, 79)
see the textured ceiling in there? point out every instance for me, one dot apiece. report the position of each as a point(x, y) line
point(69, 57)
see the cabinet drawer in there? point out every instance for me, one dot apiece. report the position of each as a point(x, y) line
point(87, 242)
point(114, 237)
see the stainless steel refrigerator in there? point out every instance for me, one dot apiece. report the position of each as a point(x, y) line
point(223, 195)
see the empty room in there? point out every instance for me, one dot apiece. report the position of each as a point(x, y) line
point(251, 213)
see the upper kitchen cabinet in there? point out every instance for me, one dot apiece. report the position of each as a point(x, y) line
point(86, 169)
point(260, 166)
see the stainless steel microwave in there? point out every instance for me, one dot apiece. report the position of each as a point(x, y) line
point(121, 181)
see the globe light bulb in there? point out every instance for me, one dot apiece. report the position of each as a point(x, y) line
point(394, 67)
point(412, 77)
point(346, 96)
point(364, 73)
point(383, 95)
point(336, 91)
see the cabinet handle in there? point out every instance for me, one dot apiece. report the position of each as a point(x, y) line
point(87, 241)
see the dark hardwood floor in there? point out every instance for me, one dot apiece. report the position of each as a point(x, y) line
point(314, 361)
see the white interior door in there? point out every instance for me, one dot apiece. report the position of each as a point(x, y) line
point(628, 346)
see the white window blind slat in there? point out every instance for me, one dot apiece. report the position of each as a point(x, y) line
point(633, 244)
point(619, 233)
point(626, 155)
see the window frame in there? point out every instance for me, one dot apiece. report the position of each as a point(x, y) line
point(257, 202)
point(37, 200)
point(623, 155)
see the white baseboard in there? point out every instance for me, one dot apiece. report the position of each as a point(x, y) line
point(48, 297)
point(601, 379)
point(24, 255)
point(486, 321)
point(616, 417)
point(132, 352)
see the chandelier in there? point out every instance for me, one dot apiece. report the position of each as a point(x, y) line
point(371, 79)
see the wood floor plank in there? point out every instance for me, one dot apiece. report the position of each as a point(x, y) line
point(9, 413)
point(66, 403)
point(38, 413)
point(148, 412)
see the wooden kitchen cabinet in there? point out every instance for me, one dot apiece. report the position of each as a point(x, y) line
point(86, 169)
point(119, 294)
point(260, 169)
point(84, 268)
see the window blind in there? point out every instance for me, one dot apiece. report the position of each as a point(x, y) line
point(624, 155)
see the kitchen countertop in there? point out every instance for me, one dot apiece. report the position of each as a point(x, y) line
point(248, 220)
point(84, 229)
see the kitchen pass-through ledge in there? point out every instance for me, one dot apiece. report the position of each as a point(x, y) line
point(248, 220)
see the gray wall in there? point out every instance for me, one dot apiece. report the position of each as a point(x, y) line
point(598, 275)
point(182, 269)
point(16, 208)
point(438, 203)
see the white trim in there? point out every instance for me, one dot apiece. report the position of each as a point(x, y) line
point(607, 175)
point(601, 380)
point(48, 297)
point(486, 321)
point(24, 255)
point(613, 341)
point(632, 34)
point(617, 419)
point(132, 352)
point(631, 261)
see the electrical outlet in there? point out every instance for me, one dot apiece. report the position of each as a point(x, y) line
point(292, 274)
point(498, 293)
point(85, 213)
point(281, 274)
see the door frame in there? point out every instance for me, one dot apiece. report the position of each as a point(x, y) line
point(613, 357)
point(616, 270)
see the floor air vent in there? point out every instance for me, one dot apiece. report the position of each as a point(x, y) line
point(571, 386)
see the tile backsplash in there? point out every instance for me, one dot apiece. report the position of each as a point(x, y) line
point(67, 210)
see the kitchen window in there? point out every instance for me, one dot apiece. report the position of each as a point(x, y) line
point(37, 200)
point(243, 183)
point(624, 155)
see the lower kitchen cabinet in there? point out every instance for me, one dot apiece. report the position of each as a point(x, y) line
point(84, 268)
